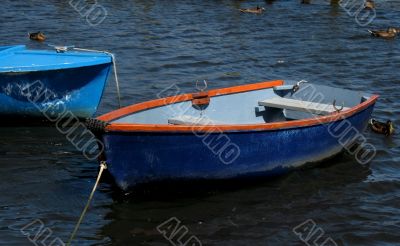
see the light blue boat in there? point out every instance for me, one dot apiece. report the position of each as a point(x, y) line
point(33, 82)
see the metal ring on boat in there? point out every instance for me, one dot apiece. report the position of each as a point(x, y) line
point(296, 87)
point(201, 89)
point(337, 109)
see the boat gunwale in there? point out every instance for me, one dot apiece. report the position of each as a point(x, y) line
point(135, 108)
point(97, 58)
point(48, 69)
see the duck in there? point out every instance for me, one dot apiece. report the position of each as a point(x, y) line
point(391, 32)
point(369, 4)
point(256, 10)
point(382, 128)
point(38, 36)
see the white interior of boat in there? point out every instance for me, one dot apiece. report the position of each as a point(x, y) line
point(280, 103)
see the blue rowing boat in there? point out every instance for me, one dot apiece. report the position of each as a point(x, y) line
point(257, 130)
point(36, 81)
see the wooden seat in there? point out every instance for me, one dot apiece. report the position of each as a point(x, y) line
point(299, 105)
point(190, 120)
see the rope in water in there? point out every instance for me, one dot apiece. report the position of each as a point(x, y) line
point(114, 68)
point(103, 166)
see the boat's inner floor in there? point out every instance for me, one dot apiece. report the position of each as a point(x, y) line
point(277, 104)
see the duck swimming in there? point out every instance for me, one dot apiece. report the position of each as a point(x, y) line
point(391, 32)
point(369, 4)
point(256, 10)
point(38, 36)
point(382, 128)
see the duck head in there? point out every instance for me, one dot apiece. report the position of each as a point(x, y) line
point(390, 127)
point(393, 30)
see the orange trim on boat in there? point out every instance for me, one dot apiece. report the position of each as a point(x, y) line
point(221, 128)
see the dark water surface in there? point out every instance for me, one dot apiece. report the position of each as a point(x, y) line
point(158, 43)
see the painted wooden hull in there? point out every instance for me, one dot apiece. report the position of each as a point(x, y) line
point(72, 82)
point(138, 154)
point(78, 89)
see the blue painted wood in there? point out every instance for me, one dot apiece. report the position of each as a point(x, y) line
point(19, 59)
point(74, 80)
point(135, 158)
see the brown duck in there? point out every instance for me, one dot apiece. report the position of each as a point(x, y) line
point(389, 33)
point(37, 36)
point(369, 4)
point(256, 10)
point(382, 128)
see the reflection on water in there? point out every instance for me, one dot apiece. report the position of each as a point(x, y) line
point(158, 43)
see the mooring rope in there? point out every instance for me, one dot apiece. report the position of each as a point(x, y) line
point(103, 166)
point(114, 68)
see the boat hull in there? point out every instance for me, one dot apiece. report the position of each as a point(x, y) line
point(141, 157)
point(31, 94)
